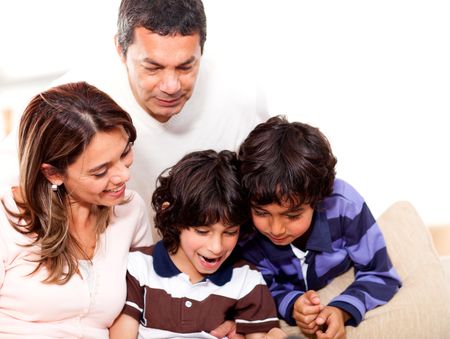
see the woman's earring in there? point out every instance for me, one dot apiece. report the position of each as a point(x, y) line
point(54, 187)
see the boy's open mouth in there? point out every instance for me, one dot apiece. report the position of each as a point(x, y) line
point(210, 260)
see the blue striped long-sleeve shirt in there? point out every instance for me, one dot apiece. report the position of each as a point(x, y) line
point(344, 234)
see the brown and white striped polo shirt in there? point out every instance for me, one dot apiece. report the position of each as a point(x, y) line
point(168, 305)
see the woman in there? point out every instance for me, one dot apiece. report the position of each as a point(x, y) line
point(65, 231)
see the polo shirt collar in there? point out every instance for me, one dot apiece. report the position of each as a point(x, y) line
point(320, 237)
point(164, 266)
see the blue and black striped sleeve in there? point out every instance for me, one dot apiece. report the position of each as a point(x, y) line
point(283, 290)
point(376, 280)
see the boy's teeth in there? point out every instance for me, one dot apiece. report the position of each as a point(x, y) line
point(210, 260)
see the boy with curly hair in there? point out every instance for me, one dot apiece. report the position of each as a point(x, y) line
point(312, 228)
point(191, 281)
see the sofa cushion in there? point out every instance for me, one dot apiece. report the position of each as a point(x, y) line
point(421, 308)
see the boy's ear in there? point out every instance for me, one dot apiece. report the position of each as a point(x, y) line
point(52, 174)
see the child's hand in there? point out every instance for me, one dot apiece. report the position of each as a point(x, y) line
point(276, 333)
point(334, 319)
point(226, 329)
point(306, 310)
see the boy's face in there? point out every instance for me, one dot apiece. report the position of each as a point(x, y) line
point(282, 224)
point(204, 248)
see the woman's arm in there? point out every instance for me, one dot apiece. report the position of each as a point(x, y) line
point(124, 327)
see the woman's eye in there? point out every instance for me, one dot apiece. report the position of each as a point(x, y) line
point(99, 175)
point(200, 231)
point(294, 216)
point(127, 150)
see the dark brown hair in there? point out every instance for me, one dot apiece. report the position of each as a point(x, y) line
point(203, 188)
point(55, 129)
point(283, 161)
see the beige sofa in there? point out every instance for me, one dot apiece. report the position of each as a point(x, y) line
point(421, 308)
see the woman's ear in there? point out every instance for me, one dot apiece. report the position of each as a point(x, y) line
point(52, 174)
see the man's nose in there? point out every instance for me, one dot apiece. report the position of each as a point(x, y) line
point(170, 82)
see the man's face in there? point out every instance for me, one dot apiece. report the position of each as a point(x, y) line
point(162, 71)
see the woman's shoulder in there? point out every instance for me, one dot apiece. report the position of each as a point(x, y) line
point(10, 238)
point(133, 203)
point(132, 213)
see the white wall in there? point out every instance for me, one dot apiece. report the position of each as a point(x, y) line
point(374, 76)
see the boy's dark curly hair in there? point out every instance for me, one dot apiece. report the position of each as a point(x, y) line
point(203, 188)
point(287, 162)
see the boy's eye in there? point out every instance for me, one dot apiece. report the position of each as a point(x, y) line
point(232, 233)
point(259, 212)
point(293, 216)
point(201, 231)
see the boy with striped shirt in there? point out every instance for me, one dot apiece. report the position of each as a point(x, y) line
point(312, 228)
point(191, 282)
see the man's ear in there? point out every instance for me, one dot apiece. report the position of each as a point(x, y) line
point(52, 174)
point(119, 49)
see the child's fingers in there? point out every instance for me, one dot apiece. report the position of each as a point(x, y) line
point(226, 329)
point(332, 332)
point(307, 316)
point(304, 305)
point(276, 333)
point(323, 315)
point(334, 329)
point(312, 297)
point(308, 328)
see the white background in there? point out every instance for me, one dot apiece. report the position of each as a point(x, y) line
point(373, 76)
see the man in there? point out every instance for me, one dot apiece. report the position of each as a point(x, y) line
point(180, 99)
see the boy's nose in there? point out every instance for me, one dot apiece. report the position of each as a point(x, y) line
point(215, 245)
point(277, 228)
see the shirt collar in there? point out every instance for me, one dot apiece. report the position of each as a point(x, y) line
point(320, 237)
point(164, 266)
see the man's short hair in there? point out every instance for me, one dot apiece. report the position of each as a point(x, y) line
point(287, 162)
point(164, 17)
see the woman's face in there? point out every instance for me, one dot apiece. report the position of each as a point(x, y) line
point(99, 174)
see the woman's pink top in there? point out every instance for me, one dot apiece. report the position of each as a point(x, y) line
point(81, 308)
